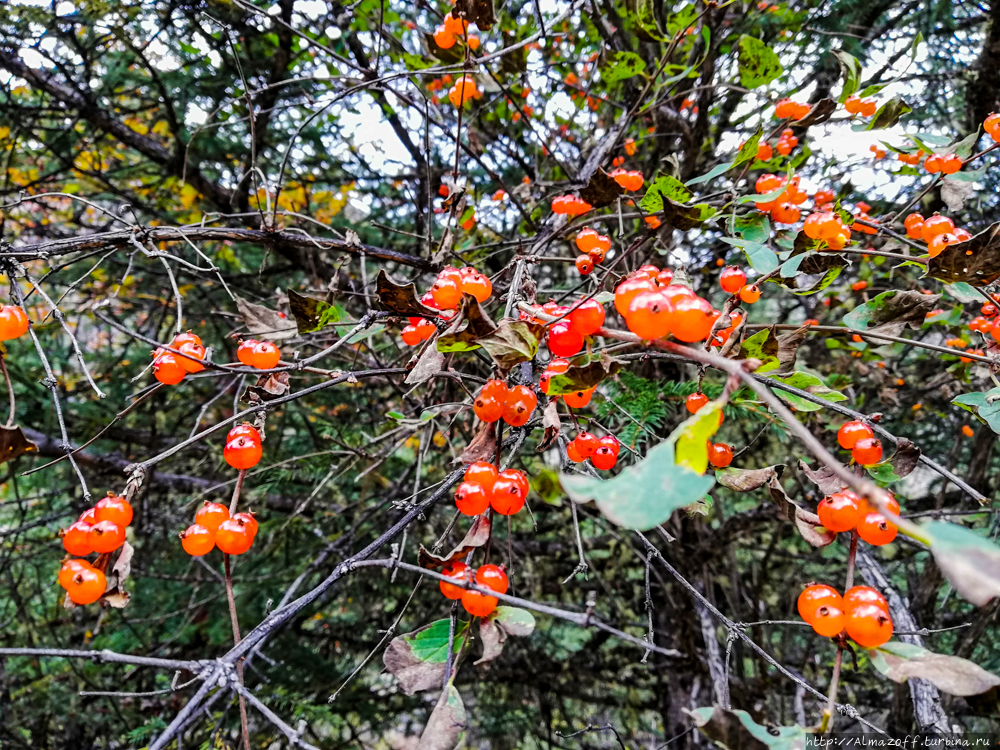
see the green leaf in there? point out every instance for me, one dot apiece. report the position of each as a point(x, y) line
point(950, 674)
point(514, 620)
point(889, 113)
point(712, 173)
point(312, 314)
point(972, 175)
point(883, 473)
point(748, 151)
point(736, 730)
point(395, 415)
point(984, 405)
point(664, 186)
point(431, 643)
point(764, 198)
point(584, 372)
point(645, 17)
point(513, 342)
point(416, 62)
point(916, 44)
point(760, 257)
point(758, 64)
point(805, 381)
point(755, 226)
point(963, 292)
point(763, 345)
point(851, 69)
point(643, 495)
point(624, 65)
point(969, 561)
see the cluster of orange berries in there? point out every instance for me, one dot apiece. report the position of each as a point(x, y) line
point(862, 612)
point(787, 142)
point(878, 151)
point(454, 30)
point(170, 368)
point(987, 323)
point(786, 109)
point(846, 511)
point(862, 216)
point(859, 439)
point(937, 231)
point(100, 529)
point(213, 527)
point(653, 307)
point(13, 322)
point(594, 247)
point(858, 106)
point(629, 180)
point(260, 355)
point(489, 576)
point(565, 336)
point(783, 209)
point(464, 90)
point(484, 487)
point(495, 401)
point(451, 283)
point(602, 452)
point(992, 126)
point(829, 227)
point(570, 205)
point(947, 164)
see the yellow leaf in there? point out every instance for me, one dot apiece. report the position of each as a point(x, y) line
point(693, 435)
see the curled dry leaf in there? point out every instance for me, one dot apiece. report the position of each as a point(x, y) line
point(824, 478)
point(820, 112)
point(482, 447)
point(268, 387)
point(13, 443)
point(950, 674)
point(585, 372)
point(263, 321)
point(513, 342)
point(906, 457)
point(470, 325)
point(429, 364)
point(551, 424)
point(417, 660)
point(788, 346)
point(748, 480)
point(447, 723)
point(975, 261)
point(115, 595)
point(400, 298)
point(311, 314)
point(478, 535)
point(601, 190)
point(891, 312)
point(807, 523)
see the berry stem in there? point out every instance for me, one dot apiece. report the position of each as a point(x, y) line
point(10, 391)
point(232, 613)
point(827, 722)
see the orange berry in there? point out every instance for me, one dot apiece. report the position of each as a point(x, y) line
point(76, 539)
point(720, 455)
point(493, 577)
point(627, 290)
point(649, 315)
point(521, 403)
point(750, 293)
point(243, 447)
point(578, 399)
point(839, 512)
point(867, 451)
point(869, 625)
point(829, 620)
point(584, 264)
point(862, 595)
point(851, 432)
point(695, 401)
point(816, 596)
point(233, 537)
point(87, 586)
point(210, 515)
point(478, 605)
point(106, 536)
point(69, 569)
point(197, 540)
point(457, 571)
point(115, 509)
point(168, 369)
point(732, 279)
point(692, 319)
point(13, 322)
point(935, 225)
point(967, 430)
point(471, 498)
point(876, 529)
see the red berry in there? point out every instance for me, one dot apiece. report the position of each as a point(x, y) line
point(248, 520)
point(867, 451)
point(869, 625)
point(483, 473)
point(479, 605)
point(197, 351)
point(197, 540)
point(839, 511)
point(586, 444)
point(167, 369)
point(695, 401)
point(578, 399)
point(518, 477)
point(478, 285)
point(649, 315)
point(861, 595)
point(720, 455)
point(488, 408)
point(750, 293)
point(458, 571)
point(573, 453)
point(233, 538)
point(492, 577)
point(76, 539)
point(106, 536)
point(851, 432)
point(876, 529)
point(210, 515)
point(69, 569)
point(410, 335)
point(604, 458)
point(508, 496)
point(471, 498)
point(87, 586)
point(692, 319)
point(244, 352)
point(521, 403)
point(732, 279)
point(243, 449)
point(829, 620)
point(13, 322)
point(584, 264)
point(628, 289)
point(115, 509)
point(587, 317)
point(265, 356)
point(816, 596)
point(564, 339)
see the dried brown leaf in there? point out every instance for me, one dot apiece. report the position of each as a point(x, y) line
point(13, 443)
point(551, 424)
point(824, 478)
point(601, 190)
point(483, 446)
point(975, 261)
point(401, 299)
point(263, 321)
point(477, 536)
point(748, 480)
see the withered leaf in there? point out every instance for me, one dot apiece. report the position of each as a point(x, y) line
point(263, 321)
point(821, 111)
point(412, 672)
point(447, 722)
point(788, 345)
point(950, 674)
point(551, 424)
point(493, 639)
point(471, 324)
point(906, 457)
point(399, 298)
point(824, 478)
point(513, 342)
point(311, 314)
point(477, 536)
point(585, 372)
point(13, 443)
point(267, 388)
point(807, 523)
point(601, 190)
point(684, 217)
point(115, 595)
point(479, 12)
point(891, 312)
point(430, 363)
point(483, 446)
point(975, 261)
point(747, 480)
